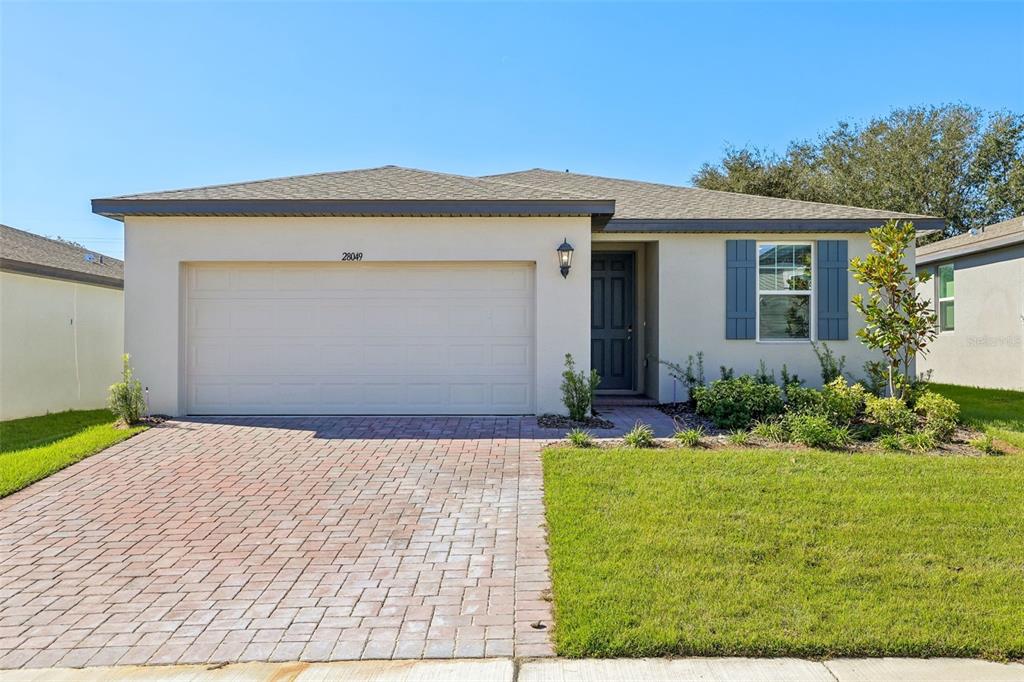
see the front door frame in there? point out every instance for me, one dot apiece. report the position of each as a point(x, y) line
point(632, 300)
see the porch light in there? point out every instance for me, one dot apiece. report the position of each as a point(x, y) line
point(565, 257)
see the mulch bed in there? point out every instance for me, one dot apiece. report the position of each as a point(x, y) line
point(685, 418)
point(557, 421)
point(151, 420)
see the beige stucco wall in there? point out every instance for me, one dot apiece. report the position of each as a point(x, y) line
point(691, 311)
point(156, 248)
point(986, 346)
point(60, 344)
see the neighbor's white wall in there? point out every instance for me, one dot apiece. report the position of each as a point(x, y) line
point(986, 346)
point(691, 305)
point(156, 248)
point(60, 344)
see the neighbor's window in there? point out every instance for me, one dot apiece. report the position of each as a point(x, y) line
point(945, 297)
point(784, 291)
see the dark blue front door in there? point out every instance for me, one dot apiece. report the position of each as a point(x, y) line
point(611, 319)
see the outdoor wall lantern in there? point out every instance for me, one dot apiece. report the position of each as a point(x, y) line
point(565, 257)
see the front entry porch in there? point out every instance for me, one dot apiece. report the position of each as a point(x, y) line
point(623, 320)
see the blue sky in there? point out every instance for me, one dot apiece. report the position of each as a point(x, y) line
point(115, 98)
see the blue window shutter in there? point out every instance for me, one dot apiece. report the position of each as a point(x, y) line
point(740, 288)
point(833, 290)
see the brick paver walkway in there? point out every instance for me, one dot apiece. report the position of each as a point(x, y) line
point(282, 539)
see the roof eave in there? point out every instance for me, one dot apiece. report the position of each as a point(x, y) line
point(742, 225)
point(119, 208)
point(970, 248)
point(51, 272)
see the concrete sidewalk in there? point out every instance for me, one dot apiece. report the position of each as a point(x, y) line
point(551, 670)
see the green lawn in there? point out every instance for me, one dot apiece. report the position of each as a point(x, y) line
point(1000, 413)
point(35, 447)
point(796, 553)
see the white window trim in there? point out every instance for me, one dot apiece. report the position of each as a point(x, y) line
point(812, 293)
point(939, 301)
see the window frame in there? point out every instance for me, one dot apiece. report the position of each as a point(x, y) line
point(811, 293)
point(939, 299)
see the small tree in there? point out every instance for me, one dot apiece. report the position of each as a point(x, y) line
point(898, 322)
point(126, 399)
point(578, 389)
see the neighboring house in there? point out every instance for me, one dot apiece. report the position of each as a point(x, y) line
point(61, 325)
point(977, 287)
point(391, 290)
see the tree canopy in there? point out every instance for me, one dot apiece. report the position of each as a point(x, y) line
point(952, 161)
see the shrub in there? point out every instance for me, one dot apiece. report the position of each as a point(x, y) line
point(803, 400)
point(922, 441)
point(689, 437)
point(891, 414)
point(987, 445)
point(736, 403)
point(640, 436)
point(939, 412)
point(578, 389)
point(842, 402)
point(763, 376)
point(726, 372)
point(816, 431)
point(739, 437)
point(580, 438)
point(865, 432)
point(126, 399)
point(890, 441)
point(831, 368)
point(771, 429)
point(839, 402)
point(875, 377)
point(692, 377)
point(789, 380)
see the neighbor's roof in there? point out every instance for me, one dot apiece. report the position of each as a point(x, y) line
point(30, 254)
point(632, 206)
point(1007, 233)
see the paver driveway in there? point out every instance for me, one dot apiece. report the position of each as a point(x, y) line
point(281, 539)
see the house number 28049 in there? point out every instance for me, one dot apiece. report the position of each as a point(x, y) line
point(352, 255)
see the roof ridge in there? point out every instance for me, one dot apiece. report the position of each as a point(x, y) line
point(571, 195)
point(487, 180)
point(57, 242)
point(716, 191)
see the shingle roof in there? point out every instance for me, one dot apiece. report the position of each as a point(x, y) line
point(636, 200)
point(391, 190)
point(387, 183)
point(1000, 235)
point(29, 253)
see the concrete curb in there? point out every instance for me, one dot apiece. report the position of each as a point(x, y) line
point(550, 670)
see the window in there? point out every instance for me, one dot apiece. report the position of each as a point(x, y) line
point(945, 297)
point(784, 287)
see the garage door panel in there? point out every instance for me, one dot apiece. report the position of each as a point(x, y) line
point(514, 357)
point(362, 338)
point(510, 394)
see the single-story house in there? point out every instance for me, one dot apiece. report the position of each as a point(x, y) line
point(977, 287)
point(61, 325)
point(401, 291)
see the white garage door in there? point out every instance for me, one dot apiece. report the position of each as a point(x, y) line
point(360, 338)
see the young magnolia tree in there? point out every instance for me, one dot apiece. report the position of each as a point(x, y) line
point(899, 323)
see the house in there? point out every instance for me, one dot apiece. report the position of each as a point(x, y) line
point(392, 290)
point(61, 325)
point(977, 287)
